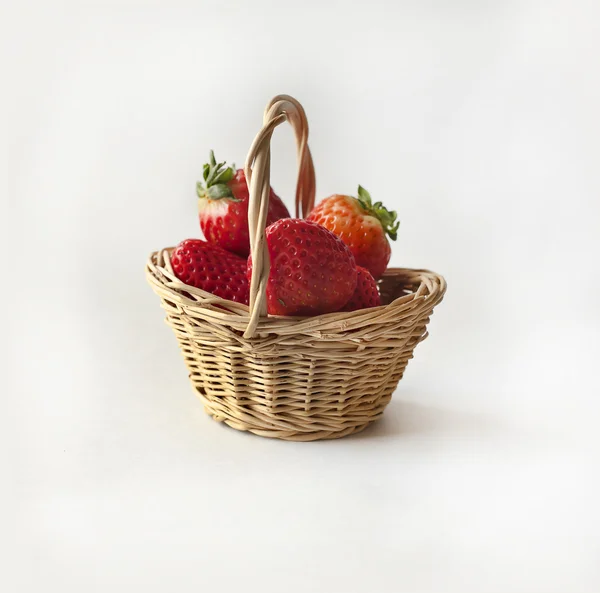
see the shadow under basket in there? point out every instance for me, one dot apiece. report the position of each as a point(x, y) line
point(298, 379)
point(293, 378)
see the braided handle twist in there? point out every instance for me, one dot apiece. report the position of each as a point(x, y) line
point(258, 172)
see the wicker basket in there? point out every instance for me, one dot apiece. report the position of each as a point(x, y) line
point(293, 378)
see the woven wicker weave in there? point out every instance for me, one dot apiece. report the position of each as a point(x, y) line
point(293, 378)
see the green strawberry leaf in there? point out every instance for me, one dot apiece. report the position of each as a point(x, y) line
point(386, 217)
point(224, 176)
point(219, 191)
point(216, 177)
point(364, 197)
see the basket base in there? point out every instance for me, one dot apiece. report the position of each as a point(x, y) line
point(322, 435)
point(291, 435)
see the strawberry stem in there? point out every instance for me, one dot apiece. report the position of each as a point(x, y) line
point(216, 177)
point(386, 217)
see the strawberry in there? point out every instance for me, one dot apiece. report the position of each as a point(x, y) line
point(366, 294)
point(223, 207)
point(362, 225)
point(211, 268)
point(312, 271)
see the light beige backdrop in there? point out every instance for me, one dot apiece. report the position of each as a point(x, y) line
point(478, 122)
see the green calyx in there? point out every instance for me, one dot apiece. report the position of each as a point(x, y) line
point(216, 176)
point(386, 218)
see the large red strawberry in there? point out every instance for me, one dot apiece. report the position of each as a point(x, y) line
point(362, 225)
point(366, 294)
point(312, 271)
point(200, 264)
point(223, 207)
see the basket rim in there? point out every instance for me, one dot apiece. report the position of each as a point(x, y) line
point(428, 293)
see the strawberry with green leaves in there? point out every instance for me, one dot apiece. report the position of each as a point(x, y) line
point(223, 207)
point(362, 226)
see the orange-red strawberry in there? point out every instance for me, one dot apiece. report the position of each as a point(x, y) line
point(366, 294)
point(362, 225)
point(312, 271)
point(211, 268)
point(223, 207)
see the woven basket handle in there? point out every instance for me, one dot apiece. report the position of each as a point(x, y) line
point(258, 172)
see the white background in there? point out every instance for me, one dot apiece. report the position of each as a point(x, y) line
point(478, 122)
